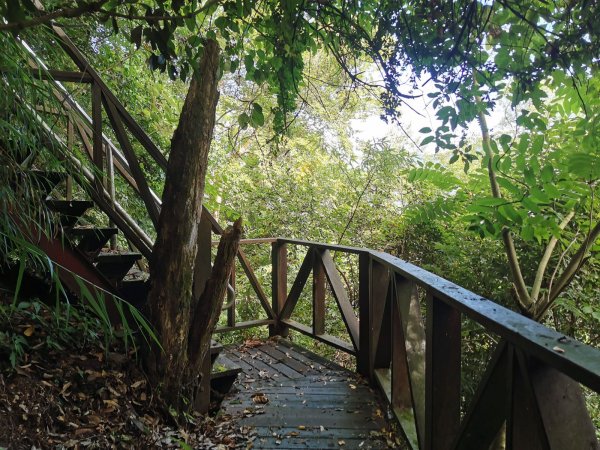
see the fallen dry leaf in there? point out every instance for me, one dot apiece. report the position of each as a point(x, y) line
point(260, 398)
point(138, 383)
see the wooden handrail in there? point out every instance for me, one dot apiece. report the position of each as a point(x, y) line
point(417, 365)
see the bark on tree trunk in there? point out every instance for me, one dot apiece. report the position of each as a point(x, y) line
point(170, 301)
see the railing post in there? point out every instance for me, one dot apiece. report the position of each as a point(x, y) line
point(110, 187)
point(98, 149)
point(380, 331)
point(70, 148)
point(279, 285)
point(318, 295)
point(442, 375)
point(363, 357)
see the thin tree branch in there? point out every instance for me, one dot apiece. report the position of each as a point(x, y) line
point(539, 276)
point(545, 305)
point(190, 15)
point(574, 264)
point(86, 8)
point(93, 8)
point(523, 297)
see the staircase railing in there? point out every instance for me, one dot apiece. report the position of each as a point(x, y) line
point(107, 158)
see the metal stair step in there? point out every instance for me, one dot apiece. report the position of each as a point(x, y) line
point(70, 210)
point(115, 266)
point(215, 350)
point(134, 291)
point(223, 375)
point(47, 181)
point(92, 239)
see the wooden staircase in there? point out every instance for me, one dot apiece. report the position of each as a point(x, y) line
point(81, 246)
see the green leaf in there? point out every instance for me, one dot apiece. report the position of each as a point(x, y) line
point(427, 140)
point(221, 22)
point(509, 212)
point(511, 187)
point(547, 173)
point(249, 62)
point(257, 119)
point(529, 176)
point(425, 130)
point(243, 120)
point(538, 144)
point(530, 204)
point(506, 164)
point(539, 196)
point(551, 190)
point(527, 233)
point(490, 201)
point(584, 165)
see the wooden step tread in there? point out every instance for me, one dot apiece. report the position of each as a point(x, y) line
point(47, 181)
point(134, 291)
point(68, 205)
point(92, 239)
point(115, 266)
point(215, 347)
point(70, 210)
point(93, 231)
point(109, 257)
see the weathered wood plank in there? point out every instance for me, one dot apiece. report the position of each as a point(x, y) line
point(413, 333)
point(320, 411)
point(380, 348)
point(86, 67)
point(363, 357)
point(274, 353)
point(262, 297)
point(307, 356)
point(489, 407)
point(578, 361)
point(295, 417)
point(401, 395)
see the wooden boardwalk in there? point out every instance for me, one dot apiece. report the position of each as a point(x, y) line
point(296, 399)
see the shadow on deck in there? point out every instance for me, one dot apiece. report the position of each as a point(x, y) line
point(294, 398)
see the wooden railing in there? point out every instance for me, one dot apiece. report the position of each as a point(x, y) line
point(405, 331)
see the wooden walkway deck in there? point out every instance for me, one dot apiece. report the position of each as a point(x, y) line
point(296, 399)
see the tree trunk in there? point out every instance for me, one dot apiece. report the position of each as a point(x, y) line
point(170, 301)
